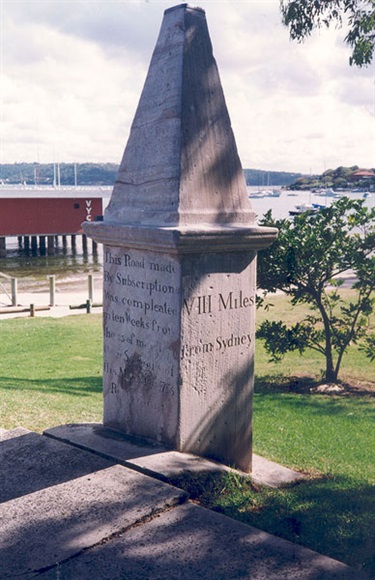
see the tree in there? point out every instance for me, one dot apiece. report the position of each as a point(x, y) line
point(302, 16)
point(305, 262)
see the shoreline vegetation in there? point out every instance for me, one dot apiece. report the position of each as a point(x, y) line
point(102, 174)
point(341, 179)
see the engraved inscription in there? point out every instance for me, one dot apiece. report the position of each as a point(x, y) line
point(220, 344)
point(220, 304)
point(140, 309)
point(142, 316)
point(206, 304)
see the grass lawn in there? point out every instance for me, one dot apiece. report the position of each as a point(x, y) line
point(51, 374)
point(50, 371)
point(332, 440)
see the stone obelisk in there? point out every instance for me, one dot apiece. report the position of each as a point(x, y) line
point(180, 249)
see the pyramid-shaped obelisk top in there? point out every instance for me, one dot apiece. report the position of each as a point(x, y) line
point(180, 166)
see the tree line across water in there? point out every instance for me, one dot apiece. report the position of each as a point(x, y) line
point(341, 178)
point(105, 174)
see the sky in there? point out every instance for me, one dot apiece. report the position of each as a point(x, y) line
point(72, 72)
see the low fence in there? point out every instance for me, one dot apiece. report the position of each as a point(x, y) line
point(9, 288)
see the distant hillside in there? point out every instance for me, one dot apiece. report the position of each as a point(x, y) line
point(105, 174)
point(261, 178)
point(341, 178)
point(43, 173)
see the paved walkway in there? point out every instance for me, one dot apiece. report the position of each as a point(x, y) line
point(84, 502)
point(66, 304)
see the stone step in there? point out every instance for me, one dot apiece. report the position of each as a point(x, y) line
point(157, 461)
point(68, 513)
point(58, 500)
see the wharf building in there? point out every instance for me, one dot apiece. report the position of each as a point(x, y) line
point(39, 216)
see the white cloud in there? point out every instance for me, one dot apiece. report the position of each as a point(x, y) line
point(64, 97)
point(72, 73)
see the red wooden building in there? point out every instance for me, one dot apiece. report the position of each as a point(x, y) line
point(43, 216)
point(47, 212)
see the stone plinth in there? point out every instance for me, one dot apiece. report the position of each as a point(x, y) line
point(180, 260)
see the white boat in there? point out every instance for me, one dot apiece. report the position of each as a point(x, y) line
point(331, 193)
point(256, 194)
point(265, 193)
point(318, 206)
point(303, 208)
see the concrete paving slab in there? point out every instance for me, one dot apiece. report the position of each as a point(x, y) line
point(29, 461)
point(146, 457)
point(190, 542)
point(172, 464)
point(158, 461)
point(56, 523)
point(273, 474)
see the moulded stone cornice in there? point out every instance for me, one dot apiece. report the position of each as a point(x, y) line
point(182, 240)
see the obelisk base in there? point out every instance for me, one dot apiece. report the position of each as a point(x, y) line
point(179, 336)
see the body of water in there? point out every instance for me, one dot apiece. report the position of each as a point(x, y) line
point(65, 262)
point(289, 199)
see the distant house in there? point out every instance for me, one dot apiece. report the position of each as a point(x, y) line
point(360, 174)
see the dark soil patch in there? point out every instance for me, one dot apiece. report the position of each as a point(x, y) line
point(309, 386)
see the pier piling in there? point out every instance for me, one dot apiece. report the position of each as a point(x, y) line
point(42, 245)
point(50, 245)
point(3, 247)
point(34, 245)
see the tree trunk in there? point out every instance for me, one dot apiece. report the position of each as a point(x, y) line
point(331, 372)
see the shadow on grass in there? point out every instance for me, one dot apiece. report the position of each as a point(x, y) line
point(82, 387)
point(284, 384)
point(297, 396)
point(333, 516)
point(305, 385)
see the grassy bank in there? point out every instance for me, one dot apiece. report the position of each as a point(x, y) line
point(51, 374)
